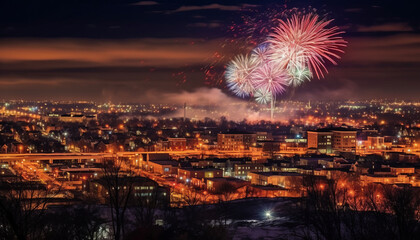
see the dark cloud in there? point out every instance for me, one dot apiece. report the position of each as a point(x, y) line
point(386, 27)
point(212, 7)
point(145, 3)
point(172, 52)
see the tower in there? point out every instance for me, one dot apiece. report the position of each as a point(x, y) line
point(185, 111)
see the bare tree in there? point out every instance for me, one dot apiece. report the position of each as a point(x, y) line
point(403, 202)
point(333, 209)
point(119, 187)
point(22, 209)
point(77, 222)
point(145, 208)
point(225, 193)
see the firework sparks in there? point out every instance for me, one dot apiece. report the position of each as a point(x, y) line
point(238, 75)
point(298, 47)
point(261, 53)
point(263, 96)
point(306, 41)
point(270, 77)
point(298, 75)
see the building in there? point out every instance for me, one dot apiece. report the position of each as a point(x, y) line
point(401, 157)
point(215, 184)
point(177, 144)
point(81, 174)
point(397, 170)
point(236, 141)
point(201, 163)
point(162, 167)
point(327, 141)
point(344, 140)
point(227, 165)
point(7, 173)
point(264, 136)
point(376, 142)
point(76, 117)
point(186, 174)
point(242, 170)
point(287, 180)
point(321, 141)
point(140, 188)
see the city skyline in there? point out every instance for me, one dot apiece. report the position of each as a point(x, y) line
point(161, 119)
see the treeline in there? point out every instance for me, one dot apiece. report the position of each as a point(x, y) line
point(338, 209)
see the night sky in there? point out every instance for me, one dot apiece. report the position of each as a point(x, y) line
point(149, 51)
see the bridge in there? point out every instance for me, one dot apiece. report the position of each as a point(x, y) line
point(99, 157)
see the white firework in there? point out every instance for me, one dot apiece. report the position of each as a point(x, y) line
point(238, 75)
point(263, 96)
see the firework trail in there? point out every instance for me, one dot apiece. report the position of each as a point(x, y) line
point(305, 41)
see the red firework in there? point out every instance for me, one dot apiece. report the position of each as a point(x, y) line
point(305, 41)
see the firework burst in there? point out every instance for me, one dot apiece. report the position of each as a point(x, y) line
point(296, 50)
point(261, 53)
point(270, 77)
point(306, 41)
point(263, 96)
point(298, 75)
point(238, 75)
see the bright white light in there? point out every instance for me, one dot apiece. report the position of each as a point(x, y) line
point(268, 214)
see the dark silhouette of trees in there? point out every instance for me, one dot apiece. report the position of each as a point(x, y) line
point(78, 223)
point(119, 189)
point(22, 209)
point(334, 210)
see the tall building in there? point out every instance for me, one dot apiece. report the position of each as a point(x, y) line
point(234, 141)
point(320, 140)
point(332, 140)
point(376, 142)
point(344, 140)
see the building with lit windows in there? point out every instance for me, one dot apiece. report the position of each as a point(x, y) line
point(139, 187)
point(162, 167)
point(321, 141)
point(328, 141)
point(242, 170)
point(186, 174)
point(236, 141)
